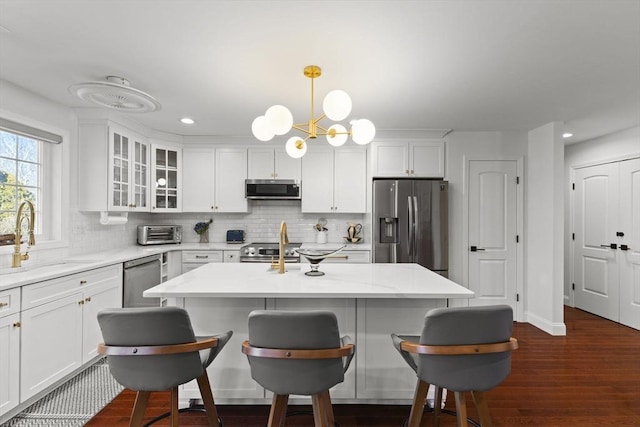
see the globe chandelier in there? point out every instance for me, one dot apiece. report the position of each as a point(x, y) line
point(336, 106)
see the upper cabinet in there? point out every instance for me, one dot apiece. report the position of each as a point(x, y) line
point(334, 180)
point(113, 168)
point(272, 163)
point(417, 159)
point(167, 176)
point(213, 180)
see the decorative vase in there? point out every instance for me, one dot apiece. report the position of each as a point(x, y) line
point(321, 237)
point(204, 237)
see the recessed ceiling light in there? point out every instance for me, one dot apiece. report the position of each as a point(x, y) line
point(187, 121)
point(567, 135)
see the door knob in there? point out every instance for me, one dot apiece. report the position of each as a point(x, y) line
point(475, 249)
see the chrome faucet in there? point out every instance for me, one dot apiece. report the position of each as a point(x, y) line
point(17, 256)
point(284, 239)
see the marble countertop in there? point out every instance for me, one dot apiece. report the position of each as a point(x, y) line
point(233, 280)
point(32, 273)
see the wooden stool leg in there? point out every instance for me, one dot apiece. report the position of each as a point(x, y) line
point(137, 414)
point(174, 407)
point(419, 400)
point(461, 409)
point(437, 406)
point(207, 399)
point(319, 416)
point(278, 410)
point(483, 408)
point(325, 401)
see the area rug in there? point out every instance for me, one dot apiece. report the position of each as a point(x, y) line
point(74, 402)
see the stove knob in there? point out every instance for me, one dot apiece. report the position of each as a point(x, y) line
point(246, 251)
point(252, 251)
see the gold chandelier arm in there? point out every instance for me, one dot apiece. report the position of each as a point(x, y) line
point(298, 126)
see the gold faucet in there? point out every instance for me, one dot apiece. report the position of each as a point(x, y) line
point(284, 239)
point(17, 256)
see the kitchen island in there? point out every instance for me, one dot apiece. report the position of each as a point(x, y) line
point(370, 301)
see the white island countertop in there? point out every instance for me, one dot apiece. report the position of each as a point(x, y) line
point(248, 280)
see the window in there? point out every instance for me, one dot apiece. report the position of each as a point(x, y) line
point(20, 178)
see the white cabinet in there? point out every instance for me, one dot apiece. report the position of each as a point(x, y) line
point(213, 180)
point(9, 350)
point(171, 265)
point(60, 331)
point(272, 163)
point(166, 179)
point(113, 168)
point(231, 256)
point(417, 159)
point(334, 180)
point(194, 259)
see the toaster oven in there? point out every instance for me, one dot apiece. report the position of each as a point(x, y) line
point(159, 234)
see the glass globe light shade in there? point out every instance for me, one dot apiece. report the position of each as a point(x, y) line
point(279, 118)
point(339, 138)
point(337, 105)
point(296, 147)
point(363, 131)
point(261, 129)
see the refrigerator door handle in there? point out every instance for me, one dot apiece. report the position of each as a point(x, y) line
point(410, 227)
point(415, 224)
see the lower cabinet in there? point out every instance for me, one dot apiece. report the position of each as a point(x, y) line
point(194, 259)
point(59, 328)
point(51, 343)
point(9, 362)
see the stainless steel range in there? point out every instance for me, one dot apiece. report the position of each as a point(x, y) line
point(268, 252)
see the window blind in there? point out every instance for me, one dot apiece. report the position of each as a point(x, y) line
point(29, 131)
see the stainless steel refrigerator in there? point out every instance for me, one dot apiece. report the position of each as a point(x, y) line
point(410, 222)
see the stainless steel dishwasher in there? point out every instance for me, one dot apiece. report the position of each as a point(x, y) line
point(139, 275)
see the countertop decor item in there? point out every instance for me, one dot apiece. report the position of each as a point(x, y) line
point(352, 233)
point(315, 257)
point(202, 229)
point(321, 228)
point(278, 120)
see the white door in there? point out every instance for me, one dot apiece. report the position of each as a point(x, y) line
point(493, 225)
point(596, 222)
point(629, 243)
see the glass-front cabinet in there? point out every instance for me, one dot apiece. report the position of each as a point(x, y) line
point(167, 163)
point(128, 172)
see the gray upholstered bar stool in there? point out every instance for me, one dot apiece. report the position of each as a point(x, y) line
point(155, 349)
point(460, 349)
point(297, 352)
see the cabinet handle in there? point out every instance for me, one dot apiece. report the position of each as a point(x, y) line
point(202, 256)
point(81, 302)
point(624, 248)
point(411, 171)
point(3, 304)
point(87, 299)
point(406, 171)
point(17, 325)
point(83, 282)
point(610, 246)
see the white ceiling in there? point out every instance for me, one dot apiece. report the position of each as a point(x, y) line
point(463, 65)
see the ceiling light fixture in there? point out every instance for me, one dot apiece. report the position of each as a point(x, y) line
point(116, 93)
point(336, 106)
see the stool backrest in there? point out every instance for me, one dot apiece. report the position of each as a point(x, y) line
point(461, 326)
point(148, 327)
point(303, 330)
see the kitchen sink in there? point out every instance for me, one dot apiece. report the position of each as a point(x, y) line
point(53, 266)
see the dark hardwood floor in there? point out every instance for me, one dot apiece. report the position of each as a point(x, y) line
point(590, 377)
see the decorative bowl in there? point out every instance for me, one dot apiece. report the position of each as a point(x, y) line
point(315, 257)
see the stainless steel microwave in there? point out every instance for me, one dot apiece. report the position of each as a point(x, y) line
point(277, 189)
